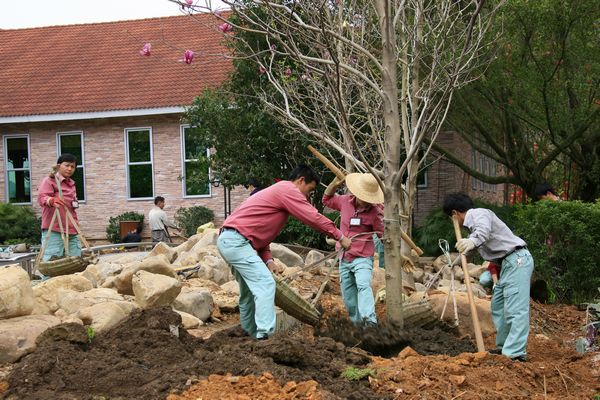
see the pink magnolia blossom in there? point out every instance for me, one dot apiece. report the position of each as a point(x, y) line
point(145, 51)
point(261, 70)
point(288, 72)
point(189, 2)
point(188, 56)
point(225, 27)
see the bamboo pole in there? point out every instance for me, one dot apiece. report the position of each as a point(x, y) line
point(474, 316)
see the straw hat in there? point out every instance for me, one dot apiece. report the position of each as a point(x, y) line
point(365, 187)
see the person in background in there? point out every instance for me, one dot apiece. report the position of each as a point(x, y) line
point(253, 186)
point(543, 191)
point(133, 236)
point(159, 222)
point(510, 297)
point(489, 277)
point(360, 213)
point(245, 237)
point(58, 191)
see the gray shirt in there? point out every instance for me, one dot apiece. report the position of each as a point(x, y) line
point(493, 239)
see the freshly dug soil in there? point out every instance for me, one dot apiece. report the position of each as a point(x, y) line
point(387, 339)
point(143, 358)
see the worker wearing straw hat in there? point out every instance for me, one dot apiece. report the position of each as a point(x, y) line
point(361, 216)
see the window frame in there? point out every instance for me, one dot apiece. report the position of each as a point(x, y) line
point(6, 180)
point(184, 194)
point(81, 162)
point(128, 163)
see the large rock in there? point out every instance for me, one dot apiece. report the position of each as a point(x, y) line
point(207, 238)
point(418, 275)
point(476, 289)
point(465, 326)
point(163, 248)
point(443, 260)
point(188, 321)
point(71, 301)
point(154, 290)
point(378, 279)
point(231, 287)
point(187, 245)
point(156, 265)
point(214, 268)
point(197, 302)
point(313, 256)
point(102, 316)
point(46, 292)
point(100, 272)
point(16, 295)
point(287, 256)
point(18, 335)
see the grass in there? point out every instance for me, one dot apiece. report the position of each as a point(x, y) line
point(356, 374)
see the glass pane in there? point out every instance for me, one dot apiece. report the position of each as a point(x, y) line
point(139, 145)
point(140, 181)
point(19, 187)
point(78, 178)
point(193, 144)
point(71, 144)
point(196, 179)
point(17, 153)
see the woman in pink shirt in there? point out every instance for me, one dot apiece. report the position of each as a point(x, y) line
point(361, 216)
point(57, 191)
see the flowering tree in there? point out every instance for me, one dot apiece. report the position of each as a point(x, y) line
point(367, 80)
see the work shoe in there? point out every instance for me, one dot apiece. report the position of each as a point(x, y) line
point(522, 358)
point(497, 350)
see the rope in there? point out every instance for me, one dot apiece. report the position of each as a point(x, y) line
point(445, 247)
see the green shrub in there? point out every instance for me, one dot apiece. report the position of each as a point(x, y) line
point(19, 224)
point(113, 233)
point(295, 232)
point(438, 225)
point(190, 218)
point(564, 239)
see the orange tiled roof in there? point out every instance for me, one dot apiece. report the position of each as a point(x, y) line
point(98, 67)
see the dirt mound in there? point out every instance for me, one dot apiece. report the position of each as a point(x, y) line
point(387, 339)
point(147, 358)
point(263, 387)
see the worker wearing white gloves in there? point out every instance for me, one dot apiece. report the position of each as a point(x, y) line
point(495, 242)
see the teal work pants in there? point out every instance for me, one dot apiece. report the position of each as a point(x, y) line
point(257, 286)
point(485, 279)
point(56, 246)
point(510, 303)
point(355, 284)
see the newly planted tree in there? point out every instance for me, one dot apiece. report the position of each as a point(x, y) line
point(368, 81)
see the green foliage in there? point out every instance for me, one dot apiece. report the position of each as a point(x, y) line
point(356, 374)
point(90, 334)
point(295, 232)
point(563, 238)
point(438, 225)
point(190, 218)
point(19, 224)
point(113, 233)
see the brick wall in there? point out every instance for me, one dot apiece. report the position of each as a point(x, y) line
point(444, 177)
point(105, 168)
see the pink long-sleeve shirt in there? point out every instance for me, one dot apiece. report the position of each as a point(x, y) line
point(48, 188)
point(263, 215)
point(370, 221)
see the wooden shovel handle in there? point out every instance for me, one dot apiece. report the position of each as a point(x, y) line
point(474, 316)
point(327, 163)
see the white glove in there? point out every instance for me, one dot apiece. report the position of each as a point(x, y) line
point(465, 245)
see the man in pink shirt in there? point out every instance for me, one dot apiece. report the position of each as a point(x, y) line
point(246, 235)
point(361, 216)
point(58, 191)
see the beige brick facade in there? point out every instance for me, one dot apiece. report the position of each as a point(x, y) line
point(105, 168)
point(106, 179)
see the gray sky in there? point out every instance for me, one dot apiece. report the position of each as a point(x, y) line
point(33, 13)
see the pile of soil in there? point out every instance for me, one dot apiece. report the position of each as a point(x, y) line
point(145, 358)
point(387, 339)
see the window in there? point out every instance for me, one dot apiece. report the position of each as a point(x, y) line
point(16, 165)
point(72, 143)
point(195, 167)
point(140, 176)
